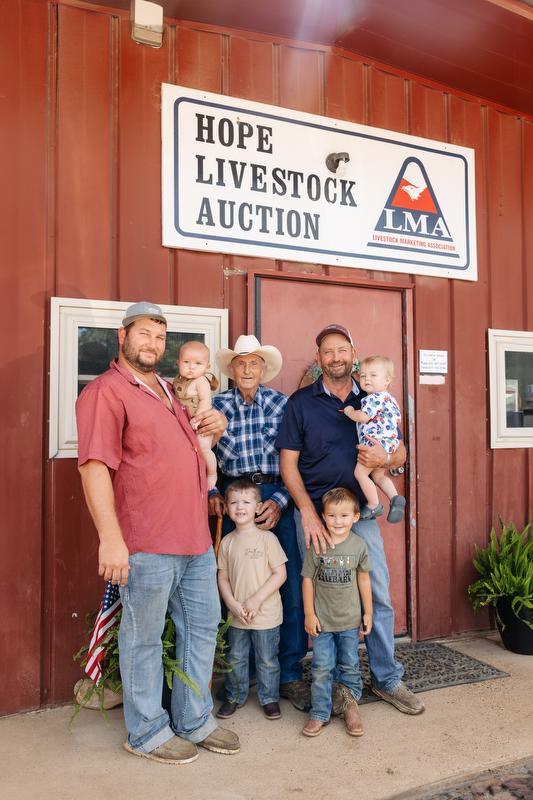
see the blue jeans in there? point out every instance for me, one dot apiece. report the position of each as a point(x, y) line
point(293, 638)
point(334, 655)
point(186, 586)
point(265, 644)
point(386, 672)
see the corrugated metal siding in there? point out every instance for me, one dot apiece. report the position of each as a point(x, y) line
point(101, 201)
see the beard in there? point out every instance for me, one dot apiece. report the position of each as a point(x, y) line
point(336, 373)
point(140, 359)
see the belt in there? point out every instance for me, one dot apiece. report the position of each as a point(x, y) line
point(256, 477)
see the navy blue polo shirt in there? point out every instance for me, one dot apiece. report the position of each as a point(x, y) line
point(325, 438)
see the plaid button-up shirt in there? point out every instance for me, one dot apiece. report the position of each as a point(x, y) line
point(248, 443)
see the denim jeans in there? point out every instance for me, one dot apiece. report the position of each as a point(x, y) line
point(386, 672)
point(334, 655)
point(293, 638)
point(186, 586)
point(265, 644)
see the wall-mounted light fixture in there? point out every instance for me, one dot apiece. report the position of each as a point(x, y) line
point(146, 22)
point(334, 159)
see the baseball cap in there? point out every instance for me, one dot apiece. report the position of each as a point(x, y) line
point(334, 328)
point(142, 309)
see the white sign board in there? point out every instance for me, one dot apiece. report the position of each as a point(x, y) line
point(434, 361)
point(246, 178)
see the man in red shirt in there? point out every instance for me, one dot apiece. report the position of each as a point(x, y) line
point(145, 485)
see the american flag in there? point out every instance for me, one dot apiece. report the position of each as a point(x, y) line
point(105, 619)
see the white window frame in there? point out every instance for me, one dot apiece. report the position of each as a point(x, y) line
point(68, 314)
point(499, 342)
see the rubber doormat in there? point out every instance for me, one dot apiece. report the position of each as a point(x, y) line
point(429, 665)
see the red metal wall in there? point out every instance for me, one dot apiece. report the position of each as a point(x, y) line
point(81, 211)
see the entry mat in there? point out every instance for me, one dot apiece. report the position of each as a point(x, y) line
point(428, 665)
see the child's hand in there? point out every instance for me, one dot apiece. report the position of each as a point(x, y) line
point(251, 607)
point(237, 610)
point(312, 625)
point(367, 624)
point(355, 416)
point(194, 423)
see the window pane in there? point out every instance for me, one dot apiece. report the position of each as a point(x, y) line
point(519, 389)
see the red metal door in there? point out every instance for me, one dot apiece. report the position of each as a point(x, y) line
point(289, 313)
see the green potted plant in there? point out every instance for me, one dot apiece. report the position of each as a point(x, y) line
point(505, 567)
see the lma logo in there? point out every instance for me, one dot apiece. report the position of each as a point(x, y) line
point(412, 210)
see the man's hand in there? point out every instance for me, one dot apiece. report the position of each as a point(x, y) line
point(314, 531)
point(216, 505)
point(312, 625)
point(210, 423)
point(372, 456)
point(269, 516)
point(113, 562)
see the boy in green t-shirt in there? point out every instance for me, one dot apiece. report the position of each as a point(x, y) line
point(332, 583)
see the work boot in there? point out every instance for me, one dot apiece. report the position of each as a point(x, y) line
point(175, 751)
point(352, 720)
point(227, 709)
point(271, 710)
point(313, 727)
point(222, 741)
point(401, 698)
point(298, 693)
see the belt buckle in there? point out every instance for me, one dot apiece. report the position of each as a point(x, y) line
point(256, 477)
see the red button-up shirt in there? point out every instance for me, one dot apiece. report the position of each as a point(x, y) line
point(158, 474)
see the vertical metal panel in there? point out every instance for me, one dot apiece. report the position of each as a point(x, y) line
point(345, 93)
point(509, 498)
point(251, 73)
point(300, 79)
point(199, 57)
point(470, 320)
point(22, 281)
point(84, 155)
point(527, 216)
point(145, 268)
point(433, 416)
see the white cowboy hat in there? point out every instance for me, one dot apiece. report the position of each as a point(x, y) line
point(249, 345)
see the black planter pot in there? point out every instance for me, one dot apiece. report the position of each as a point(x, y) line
point(516, 635)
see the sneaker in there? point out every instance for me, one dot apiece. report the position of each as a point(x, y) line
point(298, 693)
point(352, 720)
point(271, 710)
point(175, 751)
point(397, 509)
point(227, 709)
point(313, 727)
point(401, 698)
point(222, 741)
point(371, 513)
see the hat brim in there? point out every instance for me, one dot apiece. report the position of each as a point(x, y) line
point(270, 355)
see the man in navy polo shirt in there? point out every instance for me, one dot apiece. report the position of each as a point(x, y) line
point(318, 452)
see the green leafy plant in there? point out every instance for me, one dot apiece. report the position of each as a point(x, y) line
point(506, 569)
point(111, 679)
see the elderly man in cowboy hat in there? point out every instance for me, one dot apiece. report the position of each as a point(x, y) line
point(247, 449)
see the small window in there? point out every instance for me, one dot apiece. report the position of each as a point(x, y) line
point(83, 342)
point(511, 388)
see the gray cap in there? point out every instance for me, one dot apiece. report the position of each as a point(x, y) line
point(142, 309)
